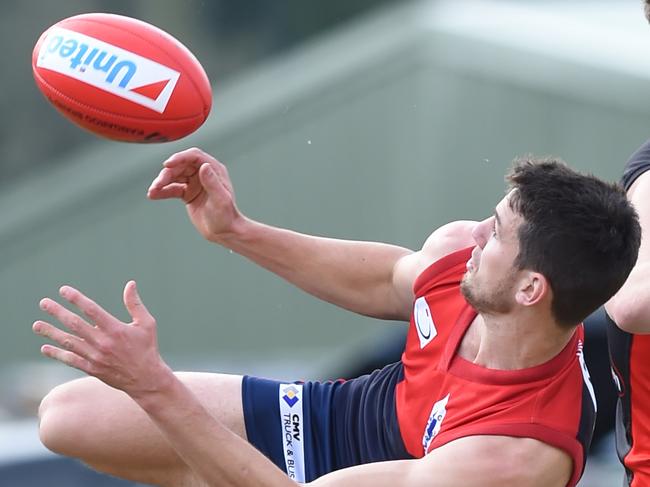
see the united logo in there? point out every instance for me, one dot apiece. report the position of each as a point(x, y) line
point(108, 67)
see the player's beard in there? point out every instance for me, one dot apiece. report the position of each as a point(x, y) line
point(491, 297)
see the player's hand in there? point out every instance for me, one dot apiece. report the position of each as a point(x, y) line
point(123, 355)
point(203, 184)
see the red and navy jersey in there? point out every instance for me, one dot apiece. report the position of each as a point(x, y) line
point(443, 397)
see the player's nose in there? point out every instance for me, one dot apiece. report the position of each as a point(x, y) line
point(481, 231)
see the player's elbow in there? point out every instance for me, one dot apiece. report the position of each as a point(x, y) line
point(629, 308)
point(629, 313)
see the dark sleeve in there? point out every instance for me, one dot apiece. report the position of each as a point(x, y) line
point(637, 164)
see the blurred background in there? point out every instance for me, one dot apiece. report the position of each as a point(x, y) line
point(371, 119)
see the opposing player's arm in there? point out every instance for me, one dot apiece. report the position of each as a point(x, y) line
point(630, 307)
point(476, 461)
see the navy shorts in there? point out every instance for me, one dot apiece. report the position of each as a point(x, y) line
point(309, 429)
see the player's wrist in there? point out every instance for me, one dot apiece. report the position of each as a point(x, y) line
point(160, 384)
point(239, 231)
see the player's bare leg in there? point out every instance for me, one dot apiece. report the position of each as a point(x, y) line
point(105, 429)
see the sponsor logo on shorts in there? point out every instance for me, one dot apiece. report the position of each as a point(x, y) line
point(290, 395)
point(291, 418)
point(438, 413)
point(424, 322)
point(108, 68)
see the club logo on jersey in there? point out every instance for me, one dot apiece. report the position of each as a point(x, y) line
point(290, 395)
point(292, 430)
point(424, 322)
point(438, 413)
point(108, 68)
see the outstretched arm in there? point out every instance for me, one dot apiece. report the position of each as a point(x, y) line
point(354, 275)
point(125, 356)
point(630, 307)
point(369, 278)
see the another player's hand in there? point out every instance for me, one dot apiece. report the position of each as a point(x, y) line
point(123, 355)
point(203, 184)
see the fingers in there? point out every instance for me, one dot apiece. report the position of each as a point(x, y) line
point(174, 175)
point(69, 358)
point(122, 355)
point(67, 318)
point(180, 167)
point(98, 315)
point(209, 179)
point(189, 157)
point(173, 190)
point(67, 341)
point(173, 182)
point(135, 306)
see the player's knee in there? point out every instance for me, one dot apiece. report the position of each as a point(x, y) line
point(60, 418)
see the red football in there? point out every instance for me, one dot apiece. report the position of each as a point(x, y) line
point(121, 78)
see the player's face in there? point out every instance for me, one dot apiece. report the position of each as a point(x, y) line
point(489, 283)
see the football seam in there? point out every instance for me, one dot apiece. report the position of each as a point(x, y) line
point(194, 84)
point(106, 112)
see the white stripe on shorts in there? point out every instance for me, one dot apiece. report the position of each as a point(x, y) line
point(291, 419)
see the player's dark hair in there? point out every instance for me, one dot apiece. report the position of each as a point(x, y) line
point(647, 9)
point(581, 233)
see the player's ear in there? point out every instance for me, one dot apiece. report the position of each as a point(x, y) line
point(532, 288)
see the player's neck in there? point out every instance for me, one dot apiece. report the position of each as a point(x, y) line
point(510, 342)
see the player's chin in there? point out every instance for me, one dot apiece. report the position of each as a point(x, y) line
point(466, 281)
